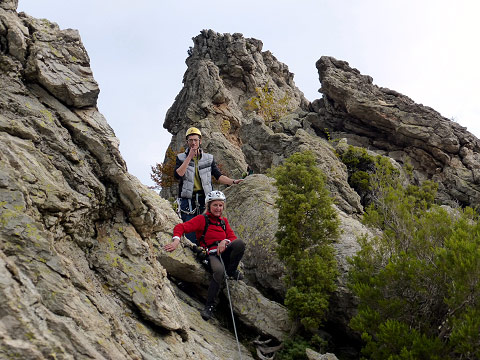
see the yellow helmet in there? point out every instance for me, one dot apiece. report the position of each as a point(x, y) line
point(193, 131)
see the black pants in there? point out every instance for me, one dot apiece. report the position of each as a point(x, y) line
point(231, 258)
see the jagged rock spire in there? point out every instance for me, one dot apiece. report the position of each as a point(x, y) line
point(9, 4)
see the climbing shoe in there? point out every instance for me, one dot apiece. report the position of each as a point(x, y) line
point(207, 313)
point(237, 275)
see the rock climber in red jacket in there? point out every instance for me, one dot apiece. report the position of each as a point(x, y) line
point(224, 249)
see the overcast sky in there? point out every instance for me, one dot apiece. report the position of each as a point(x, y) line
point(425, 49)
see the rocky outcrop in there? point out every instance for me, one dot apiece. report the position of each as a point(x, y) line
point(264, 148)
point(79, 235)
point(392, 124)
point(82, 270)
point(9, 4)
point(59, 64)
point(312, 355)
point(13, 32)
point(223, 72)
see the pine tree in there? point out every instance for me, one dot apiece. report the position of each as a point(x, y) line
point(308, 225)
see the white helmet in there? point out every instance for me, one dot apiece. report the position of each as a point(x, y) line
point(215, 195)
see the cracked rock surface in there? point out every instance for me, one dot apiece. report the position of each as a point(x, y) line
point(79, 235)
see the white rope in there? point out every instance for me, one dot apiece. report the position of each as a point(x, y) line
point(231, 307)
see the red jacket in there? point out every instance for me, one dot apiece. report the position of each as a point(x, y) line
point(214, 233)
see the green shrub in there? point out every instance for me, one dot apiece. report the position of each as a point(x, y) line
point(293, 349)
point(465, 336)
point(361, 167)
point(418, 284)
point(308, 225)
point(357, 158)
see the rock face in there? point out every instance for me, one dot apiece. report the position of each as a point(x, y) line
point(60, 64)
point(79, 235)
point(223, 72)
point(251, 212)
point(392, 124)
point(82, 270)
point(264, 148)
point(9, 4)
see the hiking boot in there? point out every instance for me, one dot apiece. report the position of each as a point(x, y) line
point(237, 275)
point(207, 313)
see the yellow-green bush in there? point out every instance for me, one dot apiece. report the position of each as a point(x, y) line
point(265, 104)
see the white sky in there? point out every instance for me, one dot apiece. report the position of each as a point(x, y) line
point(425, 49)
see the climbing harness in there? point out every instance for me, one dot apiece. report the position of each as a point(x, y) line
point(177, 207)
point(202, 252)
point(231, 307)
point(191, 210)
point(202, 256)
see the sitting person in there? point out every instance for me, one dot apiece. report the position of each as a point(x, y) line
point(224, 249)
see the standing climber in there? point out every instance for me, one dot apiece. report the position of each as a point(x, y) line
point(194, 168)
point(215, 235)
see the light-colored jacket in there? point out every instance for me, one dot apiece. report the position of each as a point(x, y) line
point(204, 170)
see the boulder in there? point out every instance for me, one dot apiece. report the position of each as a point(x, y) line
point(182, 264)
point(313, 355)
point(267, 318)
point(59, 62)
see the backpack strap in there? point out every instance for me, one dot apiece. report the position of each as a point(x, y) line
point(207, 223)
point(202, 238)
point(222, 224)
